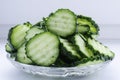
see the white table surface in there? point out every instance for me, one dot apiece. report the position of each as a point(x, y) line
point(111, 72)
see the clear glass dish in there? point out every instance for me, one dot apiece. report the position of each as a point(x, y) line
point(57, 71)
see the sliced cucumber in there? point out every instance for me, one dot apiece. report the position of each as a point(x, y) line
point(33, 31)
point(21, 55)
point(43, 48)
point(83, 29)
point(62, 22)
point(17, 34)
point(69, 51)
point(100, 48)
point(9, 48)
point(79, 41)
point(84, 20)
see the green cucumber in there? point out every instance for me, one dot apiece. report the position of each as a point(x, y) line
point(43, 48)
point(33, 31)
point(62, 22)
point(69, 51)
point(84, 20)
point(81, 44)
point(17, 34)
point(100, 48)
point(21, 55)
point(9, 48)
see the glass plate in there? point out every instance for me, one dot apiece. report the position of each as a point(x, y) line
point(57, 71)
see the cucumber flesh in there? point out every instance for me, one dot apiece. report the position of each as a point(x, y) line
point(9, 48)
point(62, 22)
point(43, 48)
point(83, 29)
point(17, 35)
point(69, 50)
point(33, 31)
point(84, 20)
point(79, 41)
point(21, 55)
point(99, 47)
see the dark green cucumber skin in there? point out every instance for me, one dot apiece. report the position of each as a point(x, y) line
point(27, 50)
point(52, 15)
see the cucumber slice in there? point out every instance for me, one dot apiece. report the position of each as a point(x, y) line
point(62, 22)
point(84, 20)
point(33, 31)
point(17, 34)
point(100, 48)
point(43, 48)
point(9, 48)
point(79, 41)
point(83, 29)
point(69, 51)
point(21, 55)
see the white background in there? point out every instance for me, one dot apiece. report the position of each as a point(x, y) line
point(19, 11)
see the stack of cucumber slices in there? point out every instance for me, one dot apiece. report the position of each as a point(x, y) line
point(63, 39)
